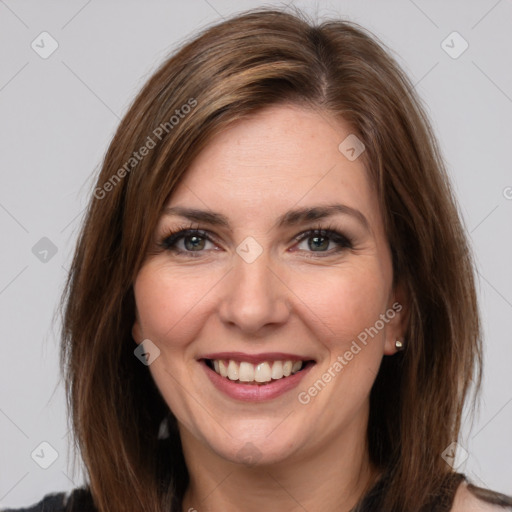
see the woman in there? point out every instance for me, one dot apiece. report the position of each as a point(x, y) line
point(271, 304)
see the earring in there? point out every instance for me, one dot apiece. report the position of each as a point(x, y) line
point(399, 345)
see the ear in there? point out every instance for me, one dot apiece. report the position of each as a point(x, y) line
point(398, 318)
point(137, 330)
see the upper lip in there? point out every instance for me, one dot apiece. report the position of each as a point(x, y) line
point(256, 358)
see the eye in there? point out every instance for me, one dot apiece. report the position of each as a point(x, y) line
point(193, 242)
point(323, 241)
point(187, 241)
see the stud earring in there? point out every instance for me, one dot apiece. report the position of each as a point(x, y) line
point(399, 345)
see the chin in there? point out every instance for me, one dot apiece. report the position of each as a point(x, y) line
point(253, 453)
point(254, 446)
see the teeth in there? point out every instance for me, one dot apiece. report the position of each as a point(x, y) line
point(223, 369)
point(261, 372)
point(233, 370)
point(297, 365)
point(277, 370)
point(246, 372)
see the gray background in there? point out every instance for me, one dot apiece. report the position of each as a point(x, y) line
point(57, 116)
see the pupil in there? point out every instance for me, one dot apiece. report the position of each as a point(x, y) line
point(194, 242)
point(322, 245)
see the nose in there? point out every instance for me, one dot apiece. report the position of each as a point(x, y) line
point(254, 296)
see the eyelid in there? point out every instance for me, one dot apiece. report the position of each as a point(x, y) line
point(168, 242)
point(322, 231)
point(183, 232)
point(342, 240)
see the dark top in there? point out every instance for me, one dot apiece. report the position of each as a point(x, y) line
point(80, 500)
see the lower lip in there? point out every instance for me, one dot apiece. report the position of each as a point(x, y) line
point(255, 392)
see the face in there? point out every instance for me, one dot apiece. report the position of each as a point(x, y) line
point(271, 258)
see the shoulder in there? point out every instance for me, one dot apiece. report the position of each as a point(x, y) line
point(78, 500)
point(54, 502)
point(470, 498)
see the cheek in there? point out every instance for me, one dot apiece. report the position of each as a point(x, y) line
point(363, 300)
point(346, 301)
point(166, 305)
point(350, 305)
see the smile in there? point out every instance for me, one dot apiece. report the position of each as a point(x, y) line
point(255, 378)
point(244, 372)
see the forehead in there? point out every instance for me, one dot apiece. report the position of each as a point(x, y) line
point(281, 156)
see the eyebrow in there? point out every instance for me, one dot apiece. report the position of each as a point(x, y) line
point(290, 218)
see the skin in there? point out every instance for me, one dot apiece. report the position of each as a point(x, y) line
point(292, 298)
point(465, 501)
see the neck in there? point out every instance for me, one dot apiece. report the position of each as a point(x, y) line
point(332, 476)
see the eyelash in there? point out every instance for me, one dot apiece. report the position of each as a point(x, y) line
point(170, 239)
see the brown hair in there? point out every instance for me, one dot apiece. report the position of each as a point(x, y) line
point(230, 70)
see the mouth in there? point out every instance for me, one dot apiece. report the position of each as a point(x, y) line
point(261, 373)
